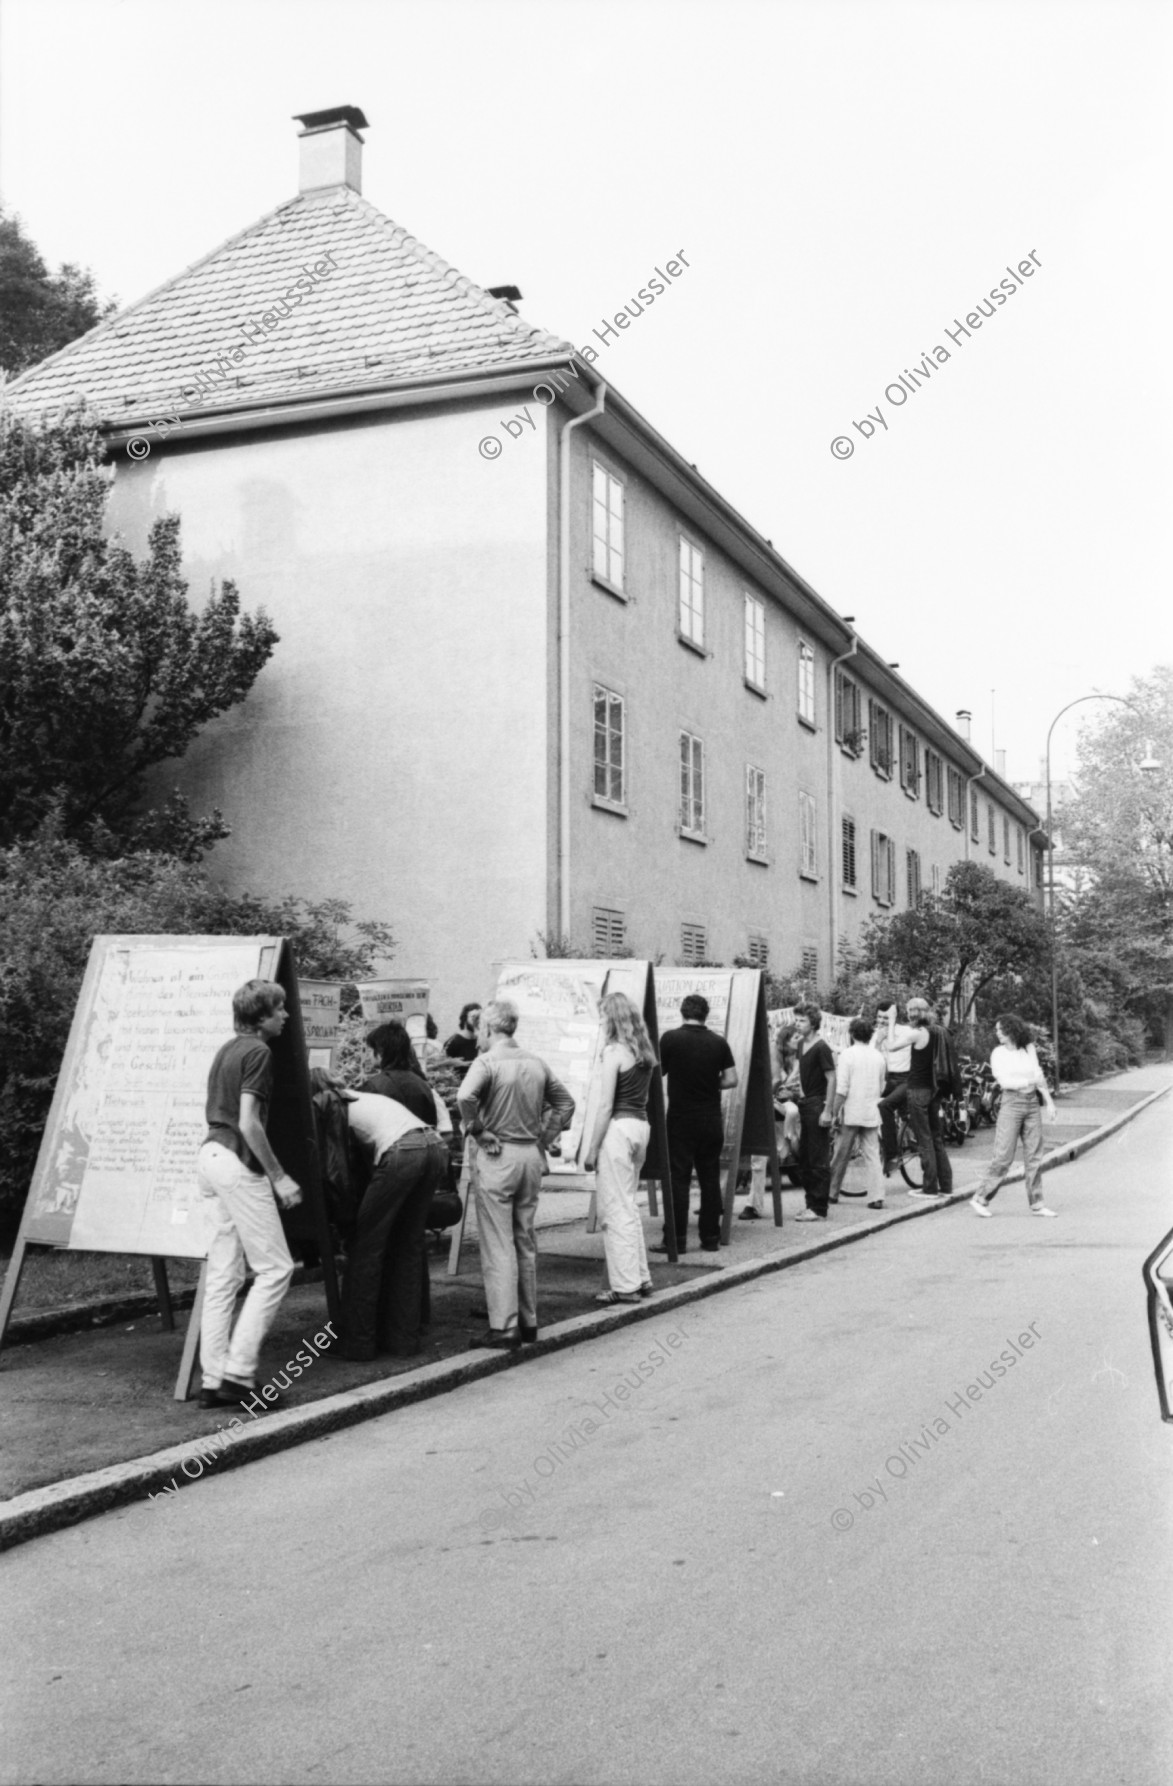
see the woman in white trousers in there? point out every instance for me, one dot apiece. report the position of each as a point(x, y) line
point(619, 1145)
point(1026, 1097)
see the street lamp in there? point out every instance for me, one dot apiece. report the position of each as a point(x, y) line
point(1148, 765)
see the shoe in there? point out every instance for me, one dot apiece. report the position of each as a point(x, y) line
point(710, 1246)
point(528, 1335)
point(850, 1194)
point(929, 1196)
point(497, 1342)
point(749, 1214)
point(608, 1297)
point(1041, 1209)
point(808, 1215)
point(980, 1208)
point(878, 1204)
point(226, 1394)
point(647, 1288)
point(833, 1199)
point(663, 1248)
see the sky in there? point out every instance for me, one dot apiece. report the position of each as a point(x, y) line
point(847, 182)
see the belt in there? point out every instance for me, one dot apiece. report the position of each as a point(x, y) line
point(423, 1134)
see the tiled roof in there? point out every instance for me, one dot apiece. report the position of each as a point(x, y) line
point(393, 309)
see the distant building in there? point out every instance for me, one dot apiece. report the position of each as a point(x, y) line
point(535, 674)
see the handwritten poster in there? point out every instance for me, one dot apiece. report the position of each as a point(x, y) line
point(117, 1167)
point(405, 1000)
point(321, 1003)
point(558, 1020)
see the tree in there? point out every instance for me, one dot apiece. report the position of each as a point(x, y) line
point(105, 670)
point(977, 930)
point(1118, 826)
point(40, 313)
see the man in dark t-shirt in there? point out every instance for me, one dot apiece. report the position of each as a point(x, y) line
point(926, 1040)
point(235, 1170)
point(816, 1077)
point(698, 1066)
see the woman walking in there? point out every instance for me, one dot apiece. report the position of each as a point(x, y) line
point(1026, 1096)
point(619, 1145)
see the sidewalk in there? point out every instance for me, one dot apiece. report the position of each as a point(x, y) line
point(89, 1418)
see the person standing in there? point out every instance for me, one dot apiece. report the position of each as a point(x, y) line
point(1026, 1099)
point(860, 1074)
point(511, 1108)
point(787, 1127)
point(383, 1296)
point(816, 1104)
point(235, 1170)
point(927, 1074)
point(698, 1065)
point(619, 1146)
point(462, 1045)
point(895, 1096)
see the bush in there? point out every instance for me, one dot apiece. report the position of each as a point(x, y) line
point(54, 899)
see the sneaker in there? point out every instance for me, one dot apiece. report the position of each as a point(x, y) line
point(647, 1288)
point(662, 1247)
point(980, 1208)
point(809, 1215)
point(749, 1214)
point(1041, 1209)
point(710, 1246)
point(929, 1196)
point(878, 1204)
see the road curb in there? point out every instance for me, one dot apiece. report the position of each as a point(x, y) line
point(61, 1504)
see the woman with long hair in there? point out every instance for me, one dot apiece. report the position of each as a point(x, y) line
point(619, 1145)
point(1026, 1096)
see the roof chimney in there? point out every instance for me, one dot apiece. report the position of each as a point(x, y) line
point(1000, 763)
point(331, 148)
point(964, 717)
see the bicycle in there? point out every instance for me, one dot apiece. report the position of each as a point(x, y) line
point(908, 1155)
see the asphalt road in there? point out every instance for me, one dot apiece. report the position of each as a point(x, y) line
point(794, 1552)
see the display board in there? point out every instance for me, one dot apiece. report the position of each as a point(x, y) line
point(558, 1020)
point(116, 1171)
point(833, 1029)
point(403, 1000)
point(737, 1010)
point(321, 1015)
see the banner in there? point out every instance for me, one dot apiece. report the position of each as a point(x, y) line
point(404, 1000)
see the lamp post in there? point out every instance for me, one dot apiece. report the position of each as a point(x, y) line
point(1148, 765)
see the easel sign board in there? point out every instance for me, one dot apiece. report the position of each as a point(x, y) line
point(321, 1015)
point(116, 1171)
point(404, 1000)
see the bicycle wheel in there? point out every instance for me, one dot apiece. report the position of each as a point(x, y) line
point(911, 1170)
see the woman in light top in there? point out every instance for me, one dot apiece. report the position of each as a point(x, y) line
point(619, 1145)
point(1026, 1096)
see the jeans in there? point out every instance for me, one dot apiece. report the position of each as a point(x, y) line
point(382, 1297)
point(623, 1152)
point(244, 1224)
point(696, 1141)
point(814, 1155)
point(869, 1141)
point(924, 1113)
point(505, 1190)
point(894, 1098)
point(1019, 1115)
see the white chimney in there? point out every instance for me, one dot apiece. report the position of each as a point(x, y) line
point(331, 148)
point(1000, 763)
point(964, 719)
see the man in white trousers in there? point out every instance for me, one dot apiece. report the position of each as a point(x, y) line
point(860, 1073)
point(235, 1170)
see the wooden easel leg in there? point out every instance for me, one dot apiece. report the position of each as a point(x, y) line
point(776, 1184)
point(592, 1226)
point(730, 1195)
point(11, 1280)
point(458, 1232)
point(163, 1292)
point(191, 1343)
point(653, 1197)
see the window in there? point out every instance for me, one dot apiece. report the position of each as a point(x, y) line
point(692, 592)
point(1021, 850)
point(936, 881)
point(991, 828)
point(755, 812)
point(808, 836)
point(607, 527)
point(758, 952)
point(909, 762)
point(934, 782)
point(848, 713)
point(608, 931)
point(973, 816)
point(1006, 840)
point(610, 769)
point(694, 944)
point(847, 829)
point(956, 800)
point(806, 683)
point(880, 732)
point(912, 865)
point(809, 970)
point(883, 868)
point(755, 642)
point(692, 785)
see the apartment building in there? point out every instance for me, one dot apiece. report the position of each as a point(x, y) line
point(562, 690)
